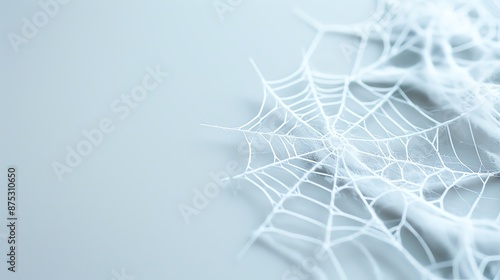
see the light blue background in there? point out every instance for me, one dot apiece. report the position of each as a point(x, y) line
point(119, 208)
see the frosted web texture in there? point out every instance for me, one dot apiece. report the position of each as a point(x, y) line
point(401, 152)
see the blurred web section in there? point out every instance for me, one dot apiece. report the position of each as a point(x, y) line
point(397, 157)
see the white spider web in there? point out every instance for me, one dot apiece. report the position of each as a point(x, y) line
point(401, 152)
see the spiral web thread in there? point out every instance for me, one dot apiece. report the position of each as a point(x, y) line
point(402, 151)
